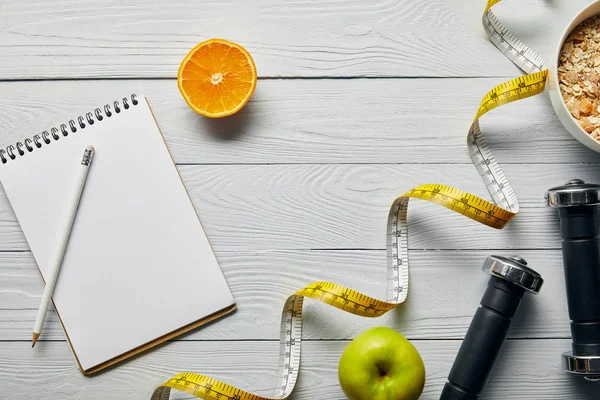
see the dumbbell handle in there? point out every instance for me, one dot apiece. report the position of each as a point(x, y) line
point(579, 229)
point(483, 341)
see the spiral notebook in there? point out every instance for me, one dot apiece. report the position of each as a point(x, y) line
point(138, 269)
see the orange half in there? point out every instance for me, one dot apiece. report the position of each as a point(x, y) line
point(217, 78)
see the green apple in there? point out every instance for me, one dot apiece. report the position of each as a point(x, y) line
point(381, 364)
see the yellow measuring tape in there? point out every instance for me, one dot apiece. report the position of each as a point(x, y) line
point(496, 215)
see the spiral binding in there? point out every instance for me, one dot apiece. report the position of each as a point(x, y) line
point(37, 141)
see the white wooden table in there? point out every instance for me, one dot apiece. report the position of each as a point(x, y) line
point(358, 101)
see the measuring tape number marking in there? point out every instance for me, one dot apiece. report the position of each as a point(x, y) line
point(496, 215)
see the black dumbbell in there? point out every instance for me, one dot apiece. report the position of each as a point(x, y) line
point(510, 279)
point(577, 204)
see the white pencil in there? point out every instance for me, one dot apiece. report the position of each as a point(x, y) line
point(63, 233)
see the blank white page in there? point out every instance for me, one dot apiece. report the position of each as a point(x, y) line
point(138, 264)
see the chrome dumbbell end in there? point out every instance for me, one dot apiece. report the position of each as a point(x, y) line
point(586, 366)
point(573, 193)
point(514, 269)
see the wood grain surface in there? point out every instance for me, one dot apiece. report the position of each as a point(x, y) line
point(341, 38)
point(252, 366)
point(357, 103)
point(261, 281)
point(275, 207)
point(391, 121)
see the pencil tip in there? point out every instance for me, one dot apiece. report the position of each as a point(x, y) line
point(34, 338)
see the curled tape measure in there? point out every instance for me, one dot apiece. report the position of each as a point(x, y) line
point(495, 215)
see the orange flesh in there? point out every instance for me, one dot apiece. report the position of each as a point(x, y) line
point(217, 78)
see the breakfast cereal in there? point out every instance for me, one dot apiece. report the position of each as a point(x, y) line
point(579, 73)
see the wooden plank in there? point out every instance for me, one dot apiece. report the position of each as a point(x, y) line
point(315, 121)
point(269, 207)
point(445, 290)
point(110, 39)
point(527, 370)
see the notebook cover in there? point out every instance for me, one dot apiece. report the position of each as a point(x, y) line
point(146, 346)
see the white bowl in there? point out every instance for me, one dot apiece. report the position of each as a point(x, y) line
point(558, 103)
